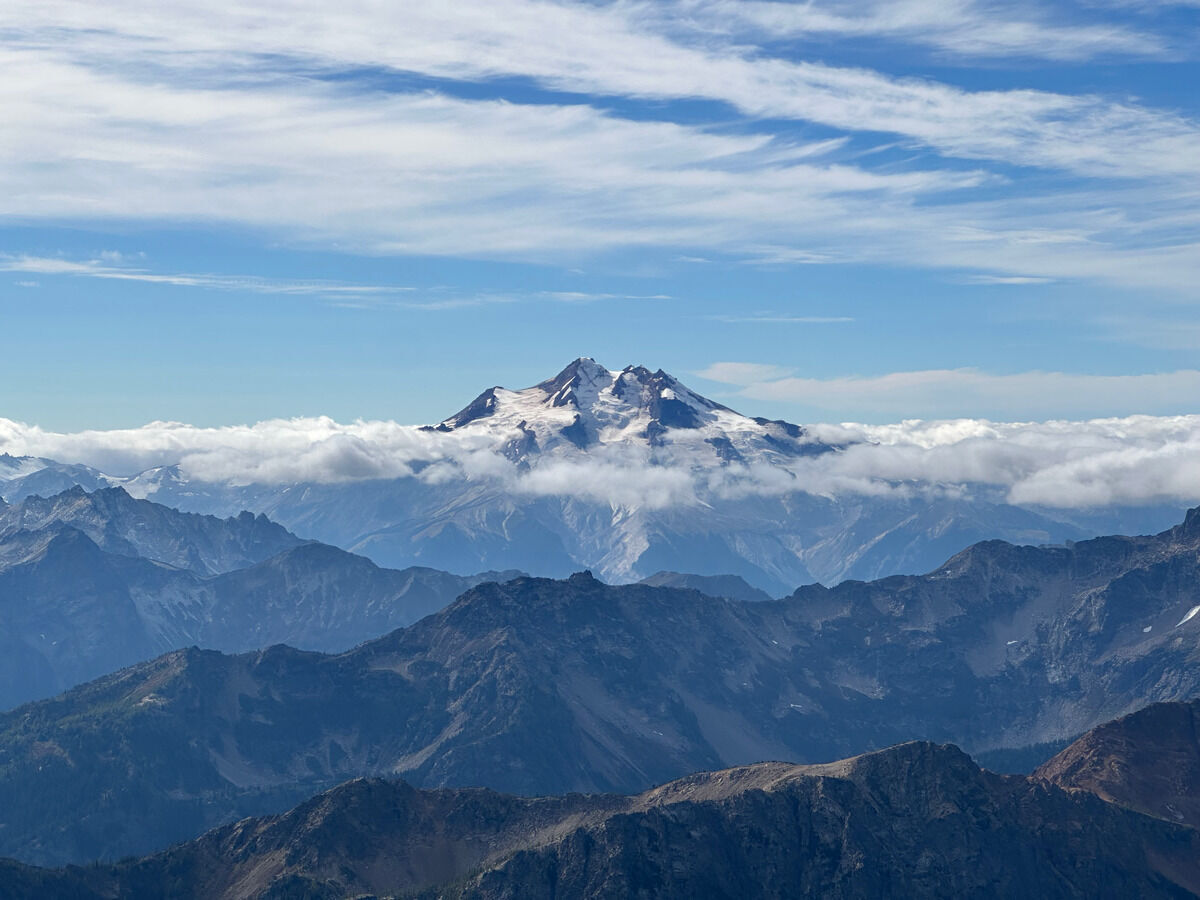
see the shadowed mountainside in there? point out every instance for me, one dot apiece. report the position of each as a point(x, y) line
point(914, 820)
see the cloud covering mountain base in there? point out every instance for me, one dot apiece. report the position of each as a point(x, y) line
point(1132, 461)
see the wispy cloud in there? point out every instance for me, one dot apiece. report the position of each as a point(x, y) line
point(637, 50)
point(99, 268)
point(1006, 279)
point(743, 372)
point(963, 28)
point(938, 393)
point(776, 319)
point(344, 294)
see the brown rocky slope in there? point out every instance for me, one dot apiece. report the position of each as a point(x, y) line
point(918, 819)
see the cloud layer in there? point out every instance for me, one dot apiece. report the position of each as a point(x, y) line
point(1133, 461)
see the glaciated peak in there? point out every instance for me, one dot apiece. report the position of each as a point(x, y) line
point(587, 404)
point(582, 372)
point(578, 385)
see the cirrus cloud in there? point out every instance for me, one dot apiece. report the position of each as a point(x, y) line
point(947, 392)
point(338, 125)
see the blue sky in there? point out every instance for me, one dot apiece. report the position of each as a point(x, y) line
point(822, 212)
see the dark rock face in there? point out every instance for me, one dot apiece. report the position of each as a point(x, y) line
point(731, 587)
point(1148, 761)
point(726, 452)
point(577, 433)
point(479, 408)
point(540, 686)
point(914, 820)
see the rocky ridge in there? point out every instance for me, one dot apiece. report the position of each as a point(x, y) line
point(914, 820)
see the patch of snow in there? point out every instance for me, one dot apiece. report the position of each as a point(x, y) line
point(1146, 630)
point(1191, 612)
point(1010, 643)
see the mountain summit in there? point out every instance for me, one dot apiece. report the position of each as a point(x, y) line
point(586, 405)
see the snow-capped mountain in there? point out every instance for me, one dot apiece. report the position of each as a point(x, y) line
point(587, 406)
point(25, 476)
point(624, 472)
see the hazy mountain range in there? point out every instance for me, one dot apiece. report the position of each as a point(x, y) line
point(91, 582)
point(540, 686)
point(625, 473)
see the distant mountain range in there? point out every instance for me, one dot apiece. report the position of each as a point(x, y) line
point(120, 525)
point(915, 820)
point(601, 446)
point(538, 686)
point(92, 582)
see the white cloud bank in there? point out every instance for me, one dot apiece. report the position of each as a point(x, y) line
point(1138, 460)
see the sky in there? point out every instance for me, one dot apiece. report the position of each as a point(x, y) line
point(824, 212)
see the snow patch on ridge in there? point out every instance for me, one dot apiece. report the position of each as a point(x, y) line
point(1190, 615)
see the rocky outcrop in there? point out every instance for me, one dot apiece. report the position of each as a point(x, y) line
point(731, 587)
point(1148, 761)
